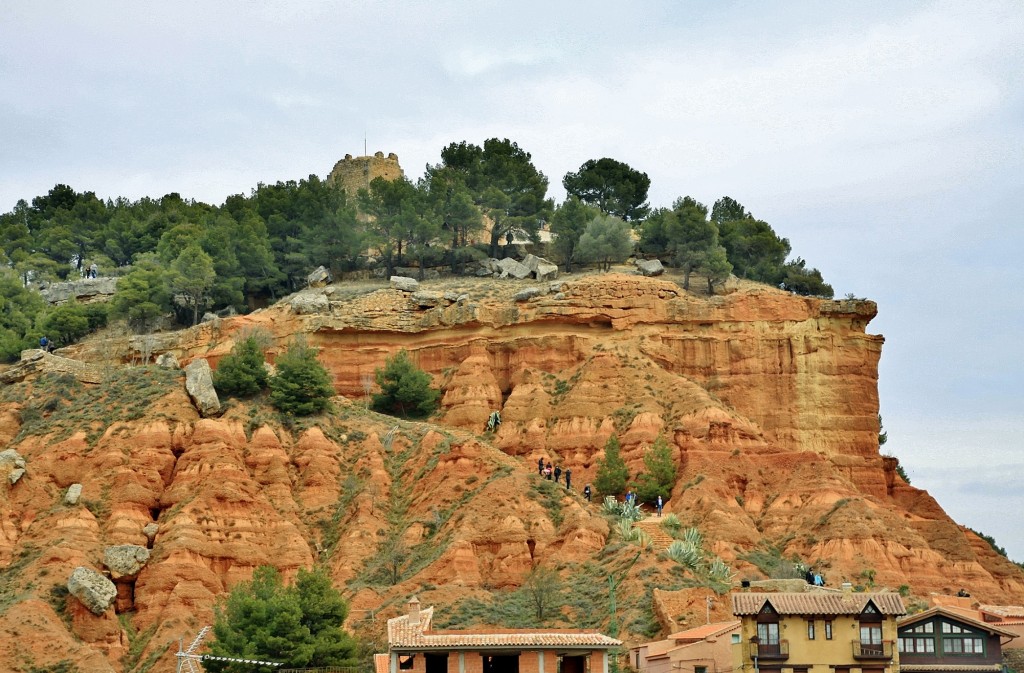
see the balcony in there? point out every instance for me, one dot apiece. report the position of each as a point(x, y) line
point(769, 651)
point(882, 650)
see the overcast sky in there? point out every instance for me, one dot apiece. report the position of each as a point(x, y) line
point(884, 139)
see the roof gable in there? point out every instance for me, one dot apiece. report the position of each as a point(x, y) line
point(817, 603)
point(951, 616)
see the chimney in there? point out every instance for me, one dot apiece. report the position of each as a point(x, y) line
point(847, 588)
point(414, 611)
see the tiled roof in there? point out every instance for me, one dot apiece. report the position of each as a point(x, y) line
point(706, 631)
point(956, 615)
point(888, 603)
point(403, 635)
point(381, 663)
point(1003, 610)
point(952, 668)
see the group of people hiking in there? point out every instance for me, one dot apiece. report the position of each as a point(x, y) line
point(545, 470)
point(46, 345)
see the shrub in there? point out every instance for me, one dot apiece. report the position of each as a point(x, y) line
point(404, 388)
point(301, 386)
point(242, 373)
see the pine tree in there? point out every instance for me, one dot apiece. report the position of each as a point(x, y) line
point(404, 388)
point(297, 625)
point(612, 472)
point(301, 386)
point(659, 475)
point(241, 373)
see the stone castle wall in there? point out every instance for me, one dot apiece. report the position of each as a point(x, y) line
point(355, 173)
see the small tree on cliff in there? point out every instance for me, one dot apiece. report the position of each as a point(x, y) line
point(301, 386)
point(297, 625)
point(404, 388)
point(659, 475)
point(242, 372)
point(612, 472)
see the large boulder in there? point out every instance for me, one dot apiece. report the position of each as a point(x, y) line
point(319, 276)
point(541, 268)
point(168, 361)
point(427, 299)
point(310, 302)
point(510, 267)
point(404, 283)
point(95, 591)
point(125, 560)
point(650, 267)
point(73, 494)
point(199, 384)
point(12, 464)
point(527, 293)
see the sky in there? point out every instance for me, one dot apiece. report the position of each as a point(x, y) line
point(884, 139)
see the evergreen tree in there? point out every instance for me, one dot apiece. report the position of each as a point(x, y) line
point(404, 388)
point(612, 473)
point(614, 187)
point(301, 386)
point(298, 625)
point(192, 275)
point(606, 240)
point(242, 373)
point(567, 227)
point(659, 475)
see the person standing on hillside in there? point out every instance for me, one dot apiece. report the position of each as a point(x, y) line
point(558, 472)
point(540, 466)
point(660, 505)
point(568, 479)
point(586, 492)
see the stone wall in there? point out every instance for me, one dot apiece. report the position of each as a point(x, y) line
point(355, 173)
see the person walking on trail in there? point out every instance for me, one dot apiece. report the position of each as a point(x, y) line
point(660, 505)
point(586, 492)
point(568, 479)
point(558, 472)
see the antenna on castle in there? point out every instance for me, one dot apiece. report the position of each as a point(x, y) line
point(366, 153)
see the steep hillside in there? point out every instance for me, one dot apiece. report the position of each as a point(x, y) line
point(769, 401)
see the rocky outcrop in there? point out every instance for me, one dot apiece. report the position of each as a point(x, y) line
point(35, 361)
point(650, 267)
point(95, 591)
point(73, 494)
point(84, 289)
point(199, 384)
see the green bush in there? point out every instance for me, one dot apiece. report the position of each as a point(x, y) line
point(301, 386)
point(242, 373)
point(404, 388)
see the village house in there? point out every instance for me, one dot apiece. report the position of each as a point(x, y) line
point(943, 640)
point(414, 646)
point(826, 632)
point(705, 649)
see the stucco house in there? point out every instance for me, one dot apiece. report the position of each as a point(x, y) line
point(821, 632)
point(705, 649)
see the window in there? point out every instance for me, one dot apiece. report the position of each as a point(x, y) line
point(405, 662)
point(828, 634)
point(736, 638)
point(700, 669)
point(768, 633)
point(963, 646)
point(810, 630)
point(915, 645)
point(870, 634)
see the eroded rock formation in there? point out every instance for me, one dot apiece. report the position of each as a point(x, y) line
point(768, 400)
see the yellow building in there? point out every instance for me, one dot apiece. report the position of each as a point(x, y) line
point(816, 632)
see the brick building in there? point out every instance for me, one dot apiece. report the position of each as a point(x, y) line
point(415, 647)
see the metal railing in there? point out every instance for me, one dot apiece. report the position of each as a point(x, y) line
point(882, 650)
point(779, 650)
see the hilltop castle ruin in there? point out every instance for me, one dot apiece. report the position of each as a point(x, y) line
point(355, 173)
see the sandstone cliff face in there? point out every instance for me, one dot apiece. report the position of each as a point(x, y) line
point(769, 402)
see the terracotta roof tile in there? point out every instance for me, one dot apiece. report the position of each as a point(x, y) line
point(705, 631)
point(1003, 610)
point(381, 663)
point(817, 603)
point(403, 635)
